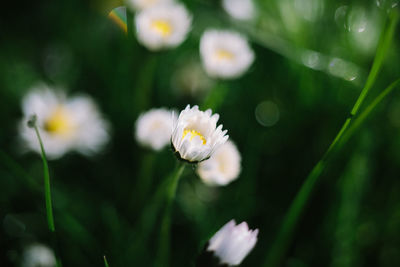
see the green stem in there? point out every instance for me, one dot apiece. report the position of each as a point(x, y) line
point(285, 233)
point(216, 96)
point(163, 249)
point(47, 193)
point(105, 262)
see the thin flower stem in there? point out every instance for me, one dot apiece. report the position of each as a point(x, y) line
point(285, 233)
point(163, 249)
point(105, 261)
point(47, 194)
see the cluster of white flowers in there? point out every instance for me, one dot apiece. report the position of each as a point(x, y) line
point(65, 124)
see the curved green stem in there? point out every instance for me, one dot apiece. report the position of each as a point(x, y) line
point(163, 249)
point(285, 233)
point(47, 192)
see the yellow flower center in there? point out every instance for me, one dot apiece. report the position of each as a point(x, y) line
point(162, 27)
point(193, 134)
point(58, 122)
point(222, 54)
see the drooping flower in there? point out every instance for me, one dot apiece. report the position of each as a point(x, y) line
point(225, 54)
point(143, 4)
point(65, 124)
point(232, 242)
point(222, 167)
point(154, 128)
point(196, 136)
point(163, 26)
point(239, 9)
point(38, 255)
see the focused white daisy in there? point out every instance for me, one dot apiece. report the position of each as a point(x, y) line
point(64, 124)
point(225, 54)
point(38, 255)
point(239, 9)
point(232, 242)
point(222, 167)
point(163, 26)
point(154, 128)
point(196, 136)
point(143, 4)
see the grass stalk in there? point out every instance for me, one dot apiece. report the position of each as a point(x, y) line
point(279, 248)
point(47, 192)
point(164, 241)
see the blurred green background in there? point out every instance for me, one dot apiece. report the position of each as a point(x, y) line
point(312, 59)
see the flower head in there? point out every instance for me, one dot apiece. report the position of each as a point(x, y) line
point(239, 9)
point(222, 167)
point(163, 26)
point(143, 4)
point(65, 124)
point(232, 242)
point(154, 128)
point(196, 136)
point(38, 255)
point(225, 54)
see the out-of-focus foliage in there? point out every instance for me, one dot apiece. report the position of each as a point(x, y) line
point(312, 57)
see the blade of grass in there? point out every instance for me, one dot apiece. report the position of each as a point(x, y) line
point(285, 233)
point(47, 191)
point(164, 242)
point(105, 261)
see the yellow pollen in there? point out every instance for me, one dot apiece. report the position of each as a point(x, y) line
point(162, 27)
point(224, 55)
point(58, 122)
point(193, 134)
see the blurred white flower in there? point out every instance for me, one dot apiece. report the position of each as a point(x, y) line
point(195, 136)
point(64, 124)
point(143, 4)
point(225, 54)
point(239, 9)
point(222, 167)
point(232, 242)
point(154, 128)
point(37, 255)
point(164, 26)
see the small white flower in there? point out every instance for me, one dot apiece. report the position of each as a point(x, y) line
point(38, 255)
point(225, 54)
point(154, 128)
point(164, 26)
point(64, 124)
point(232, 242)
point(196, 136)
point(222, 167)
point(239, 9)
point(143, 4)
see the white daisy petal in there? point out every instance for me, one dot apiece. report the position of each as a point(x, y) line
point(143, 4)
point(239, 9)
point(225, 54)
point(163, 26)
point(65, 124)
point(232, 242)
point(195, 135)
point(154, 128)
point(38, 255)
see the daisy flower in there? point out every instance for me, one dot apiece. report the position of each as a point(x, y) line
point(232, 243)
point(239, 9)
point(64, 123)
point(38, 255)
point(164, 26)
point(154, 128)
point(225, 54)
point(196, 136)
point(222, 167)
point(143, 4)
